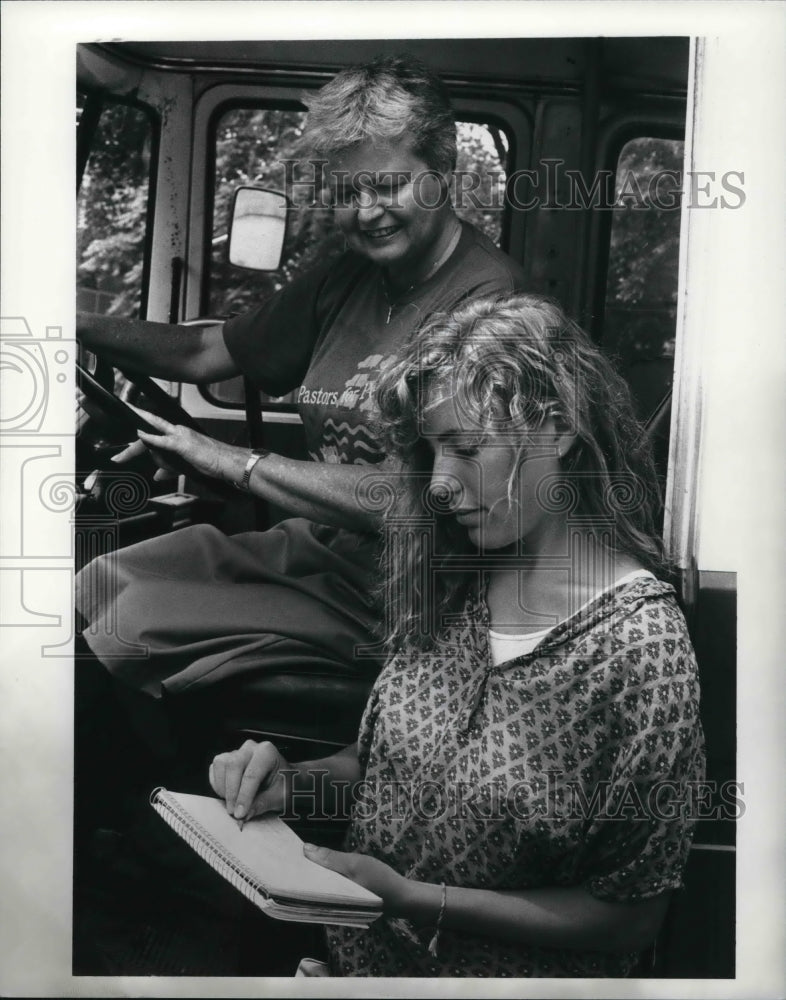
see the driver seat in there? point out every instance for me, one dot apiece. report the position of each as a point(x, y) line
point(311, 712)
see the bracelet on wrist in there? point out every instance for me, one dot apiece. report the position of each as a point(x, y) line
point(434, 942)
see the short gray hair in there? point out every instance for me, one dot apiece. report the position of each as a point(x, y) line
point(387, 99)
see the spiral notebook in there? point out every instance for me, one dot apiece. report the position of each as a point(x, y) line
point(265, 861)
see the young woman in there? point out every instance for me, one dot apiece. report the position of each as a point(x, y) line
point(522, 775)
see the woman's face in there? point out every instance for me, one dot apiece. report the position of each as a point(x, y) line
point(474, 466)
point(391, 207)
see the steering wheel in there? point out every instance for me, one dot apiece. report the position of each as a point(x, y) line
point(126, 421)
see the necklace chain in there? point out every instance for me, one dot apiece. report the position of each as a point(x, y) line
point(392, 303)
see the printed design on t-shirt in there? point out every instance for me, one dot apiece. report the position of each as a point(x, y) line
point(343, 442)
point(346, 438)
point(359, 390)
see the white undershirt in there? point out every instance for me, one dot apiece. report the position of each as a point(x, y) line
point(505, 647)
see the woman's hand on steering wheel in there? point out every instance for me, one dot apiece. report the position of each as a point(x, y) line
point(205, 454)
point(97, 394)
point(137, 448)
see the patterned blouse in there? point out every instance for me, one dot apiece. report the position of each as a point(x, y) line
point(567, 766)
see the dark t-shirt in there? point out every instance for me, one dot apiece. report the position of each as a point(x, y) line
point(330, 333)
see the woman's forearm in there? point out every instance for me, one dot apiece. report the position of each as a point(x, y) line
point(339, 495)
point(552, 918)
point(321, 492)
point(161, 350)
point(327, 493)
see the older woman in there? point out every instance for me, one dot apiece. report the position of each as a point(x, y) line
point(206, 605)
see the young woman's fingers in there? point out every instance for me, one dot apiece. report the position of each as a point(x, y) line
point(235, 778)
point(215, 776)
point(338, 861)
point(259, 773)
point(226, 772)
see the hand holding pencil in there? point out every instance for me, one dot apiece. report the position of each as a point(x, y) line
point(250, 780)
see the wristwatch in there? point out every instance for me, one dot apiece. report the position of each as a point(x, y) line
point(253, 458)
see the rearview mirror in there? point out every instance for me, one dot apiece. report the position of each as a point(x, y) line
point(257, 228)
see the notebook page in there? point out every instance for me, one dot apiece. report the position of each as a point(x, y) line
point(274, 852)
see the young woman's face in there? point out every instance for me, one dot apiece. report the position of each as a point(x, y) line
point(490, 482)
point(390, 206)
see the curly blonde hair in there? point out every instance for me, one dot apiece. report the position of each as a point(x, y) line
point(511, 360)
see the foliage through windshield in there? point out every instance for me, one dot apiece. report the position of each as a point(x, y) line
point(112, 211)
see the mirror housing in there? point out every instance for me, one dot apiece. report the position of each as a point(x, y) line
point(257, 228)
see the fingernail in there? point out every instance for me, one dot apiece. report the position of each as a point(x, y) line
point(240, 812)
point(114, 458)
point(309, 847)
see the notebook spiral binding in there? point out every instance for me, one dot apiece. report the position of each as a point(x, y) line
point(208, 848)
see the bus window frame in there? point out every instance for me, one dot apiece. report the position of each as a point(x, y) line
point(97, 101)
point(616, 133)
point(210, 179)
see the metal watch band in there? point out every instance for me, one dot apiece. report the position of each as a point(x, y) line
point(253, 458)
